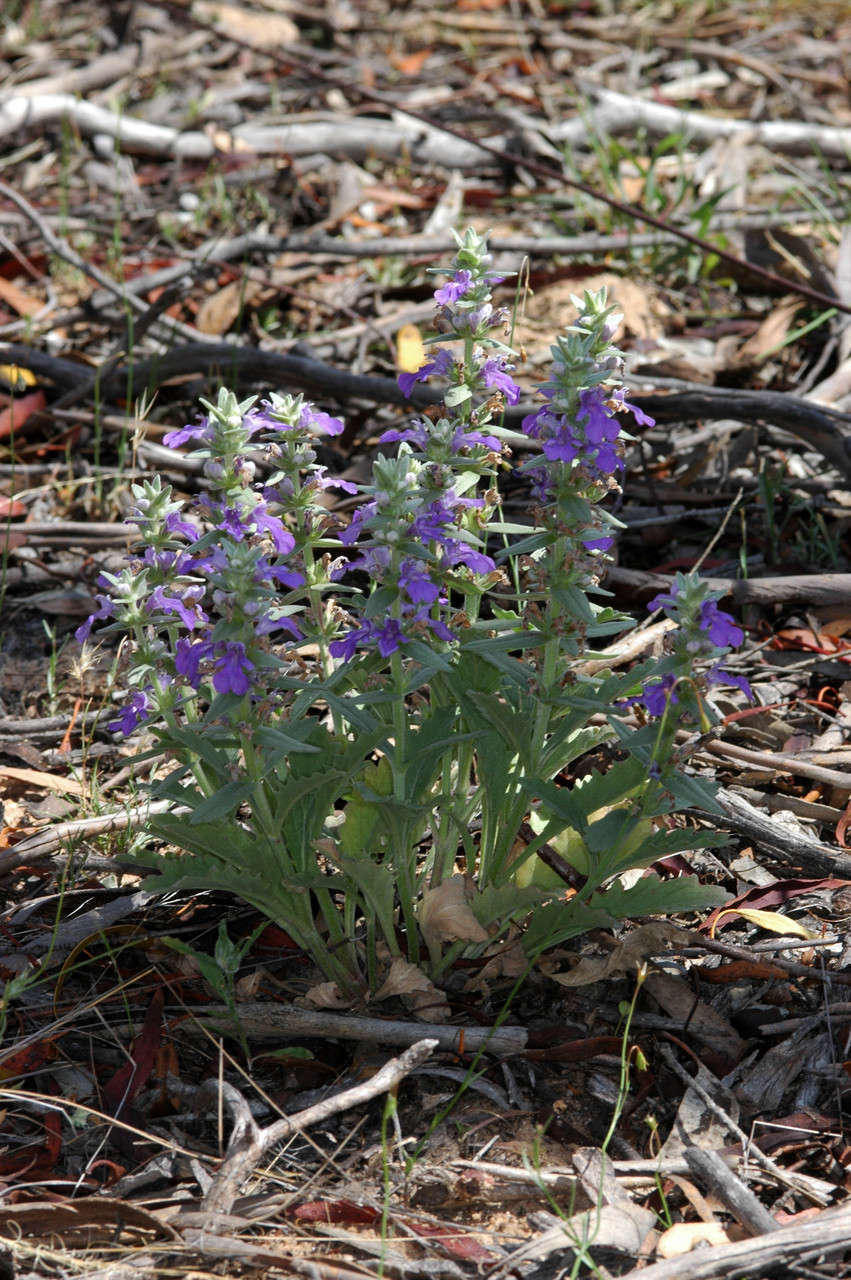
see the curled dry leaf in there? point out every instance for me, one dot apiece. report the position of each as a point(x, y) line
point(325, 995)
point(419, 993)
point(647, 940)
point(505, 959)
point(445, 914)
point(685, 1236)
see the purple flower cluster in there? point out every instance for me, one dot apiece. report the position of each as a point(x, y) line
point(703, 631)
point(414, 545)
point(491, 374)
point(205, 594)
point(588, 438)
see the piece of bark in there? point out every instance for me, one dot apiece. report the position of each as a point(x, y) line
point(101, 71)
point(811, 856)
point(798, 588)
point(765, 1084)
point(717, 1177)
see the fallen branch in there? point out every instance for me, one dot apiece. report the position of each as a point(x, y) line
point(21, 111)
point(267, 1021)
point(623, 113)
point(249, 1143)
point(43, 843)
point(810, 589)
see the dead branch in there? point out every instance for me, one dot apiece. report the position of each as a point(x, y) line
point(23, 112)
point(623, 113)
point(249, 1144)
point(269, 1021)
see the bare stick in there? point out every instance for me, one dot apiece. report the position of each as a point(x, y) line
point(270, 1021)
point(709, 1167)
point(249, 1143)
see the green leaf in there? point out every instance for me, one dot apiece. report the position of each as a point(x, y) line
point(225, 802)
point(198, 742)
point(651, 896)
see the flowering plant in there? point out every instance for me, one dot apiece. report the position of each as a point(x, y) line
point(377, 728)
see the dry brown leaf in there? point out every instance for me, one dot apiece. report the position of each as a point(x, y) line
point(217, 313)
point(694, 1124)
point(505, 959)
point(24, 303)
point(771, 333)
point(417, 990)
point(325, 995)
point(645, 941)
point(445, 914)
point(266, 30)
point(676, 996)
point(645, 314)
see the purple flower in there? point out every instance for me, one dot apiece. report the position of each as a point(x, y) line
point(466, 439)
point(590, 439)
point(175, 524)
point(375, 561)
point(212, 561)
point(322, 423)
point(454, 289)
point(417, 433)
point(188, 607)
point(440, 629)
point(319, 479)
point(388, 636)
point(231, 521)
point(473, 321)
point(188, 656)
point(456, 551)
point(717, 675)
point(266, 523)
point(441, 364)
point(719, 626)
point(564, 448)
point(597, 544)
point(267, 624)
point(137, 710)
point(232, 667)
point(618, 401)
point(347, 645)
point(200, 430)
point(657, 695)
point(104, 611)
point(598, 426)
point(417, 585)
point(265, 572)
point(664, 600)
point(350, 534)
point(495, 375)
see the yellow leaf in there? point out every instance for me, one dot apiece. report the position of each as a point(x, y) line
point(410, 351)
point(16, 377)
point(773, 921)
